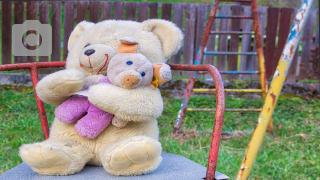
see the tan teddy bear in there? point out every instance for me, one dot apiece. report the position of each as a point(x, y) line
point(128, 69)
point(131, 150)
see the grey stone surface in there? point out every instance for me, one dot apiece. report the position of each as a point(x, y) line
point(17, 79)
point(173, 167)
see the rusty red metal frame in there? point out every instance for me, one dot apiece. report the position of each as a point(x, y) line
point(33, 67)
point(220, 101)
point(219, 115)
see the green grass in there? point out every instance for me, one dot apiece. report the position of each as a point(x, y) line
point(285, 156)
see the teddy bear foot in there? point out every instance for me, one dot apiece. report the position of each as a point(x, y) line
point(133, 156)
point(54, 159)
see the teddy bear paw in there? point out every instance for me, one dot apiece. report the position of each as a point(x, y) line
point(133, 157)
point(46, 159)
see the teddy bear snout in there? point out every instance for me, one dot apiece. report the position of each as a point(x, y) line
point(130, 81)
point(89, 52)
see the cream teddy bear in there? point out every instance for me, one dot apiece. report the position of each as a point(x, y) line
point(127, 69)
point(131, 150)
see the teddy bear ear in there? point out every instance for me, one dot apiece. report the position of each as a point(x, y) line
point(128, 45)
point(168, 33)
point(77, 31)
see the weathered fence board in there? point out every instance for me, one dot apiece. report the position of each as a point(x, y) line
point(106, 10)
point(201, 19)
point(143, 11)
point(68, 25)
point(82, 7)
point(44, 19)
point(234, 42)
point(18, 19)
point(189, 35)
point(6, 32)
point(307, 39)
point(223, 39)
point(94, 11)
point(316, 43)
point(177, 19)
point(166, 11)
point(31, 15)
point(317, 46)
point(118, 10)
point(269, 53)
point(202, 12)
point(131, 11)
point(284, 28)
point(56, 34)
point(246, 43)
point(153, 11)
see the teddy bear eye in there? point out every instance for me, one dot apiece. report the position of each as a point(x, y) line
point(143, 74)
point(86, 45)
point(129, 62)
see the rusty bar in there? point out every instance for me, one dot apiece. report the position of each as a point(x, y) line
point(227, 109)
point(34, 76)
point(230, 53)
point(41, 110)
point(275, 89)
point(236, 0)
point(239, 72)
point(10, 67)
point(229, 90)
point(233, 72)
point(219, 116)
point(233, 17)
point(259, 48)
point(187, 95)
point(231, 32)
point(207, 30)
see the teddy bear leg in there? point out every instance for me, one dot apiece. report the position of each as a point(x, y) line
point(92, 124)
point(55, 156)
point(134, 156)
point(72, 109)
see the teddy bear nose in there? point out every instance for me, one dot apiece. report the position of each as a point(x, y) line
point(89, 52)
point(130, 81)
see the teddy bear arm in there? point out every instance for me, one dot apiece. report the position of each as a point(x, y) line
point(140, 104)
point(59, 86)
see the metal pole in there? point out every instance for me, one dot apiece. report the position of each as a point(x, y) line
point(219, 113)
point(275, 89)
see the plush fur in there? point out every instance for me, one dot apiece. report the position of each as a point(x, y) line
point(131, 150)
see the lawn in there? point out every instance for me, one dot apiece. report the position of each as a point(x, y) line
point(291, 154)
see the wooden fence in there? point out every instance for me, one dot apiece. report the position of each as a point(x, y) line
point(275, 25)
